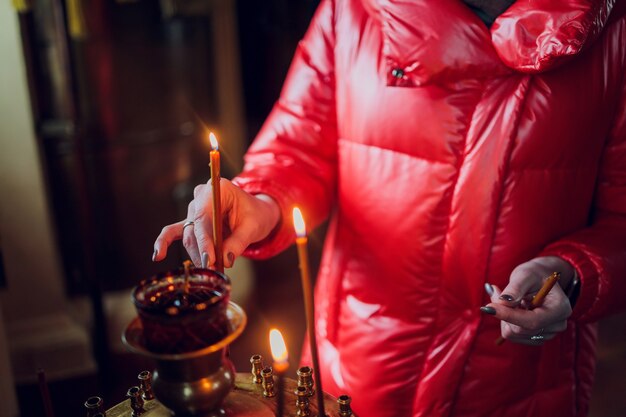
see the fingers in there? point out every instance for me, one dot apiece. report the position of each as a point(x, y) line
point(523, 281)
point(194, 237)
point(493, 292)
point(517, 334)
point(200, 211)
point(249, 219)
point(203, 234)
point(512, 331)
point(532, 320)
point(169, 234)
point(530, 327)
point(556, 308)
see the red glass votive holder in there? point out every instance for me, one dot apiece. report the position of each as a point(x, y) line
point(179, 320)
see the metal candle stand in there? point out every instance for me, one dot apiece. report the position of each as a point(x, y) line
point(246, 399)
point(203, 383)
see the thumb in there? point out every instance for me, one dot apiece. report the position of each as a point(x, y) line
point(521, 283)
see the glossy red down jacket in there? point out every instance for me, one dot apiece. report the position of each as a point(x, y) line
point(445, 154)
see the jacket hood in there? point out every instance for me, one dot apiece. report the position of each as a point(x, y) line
point(535, 35)
point(444, 39)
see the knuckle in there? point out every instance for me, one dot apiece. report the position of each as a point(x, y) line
point(188, 242)
point(520, 269)
point(198, 190)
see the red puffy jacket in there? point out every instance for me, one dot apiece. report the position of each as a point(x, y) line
point(445, 154)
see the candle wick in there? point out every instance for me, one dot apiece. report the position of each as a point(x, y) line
point(186, 265)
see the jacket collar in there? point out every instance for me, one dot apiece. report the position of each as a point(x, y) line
point(444, 40)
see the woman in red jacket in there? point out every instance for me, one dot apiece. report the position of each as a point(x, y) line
point(479, 159)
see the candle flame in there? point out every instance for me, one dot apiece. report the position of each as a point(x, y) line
point(277, 344)
point(298, 222)
point(213, 140)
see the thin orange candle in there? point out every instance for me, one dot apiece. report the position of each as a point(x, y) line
point(307, 289)
point(537, 300)
point(280, 366)
point(217, 203)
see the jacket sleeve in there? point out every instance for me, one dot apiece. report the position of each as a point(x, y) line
point(598, 252)
point(293, 158)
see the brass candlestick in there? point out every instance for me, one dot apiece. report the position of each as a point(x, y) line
point(268, 382)
point(257, 367)
point(344, 406)
point(246, 400)
point(94, 405)
point(302, 402)
point(305, 379)
point(145, 383)
point(136, 401)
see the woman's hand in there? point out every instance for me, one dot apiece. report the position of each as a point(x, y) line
point(249, 219)
point(532, 327)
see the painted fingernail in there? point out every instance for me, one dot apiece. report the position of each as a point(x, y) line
point(488, 310)
point(154, 254)
point(488, 289)
point(205, 259)
point(231, 258)
point(507, 297)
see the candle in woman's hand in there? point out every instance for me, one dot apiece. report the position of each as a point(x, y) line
point(217, 203)
point(280, 366)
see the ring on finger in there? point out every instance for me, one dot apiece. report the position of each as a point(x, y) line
point(188, 223)
point(538, 337)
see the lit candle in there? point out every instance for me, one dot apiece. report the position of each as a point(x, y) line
point(307, 289)
point(280, 366)
point(217, 203)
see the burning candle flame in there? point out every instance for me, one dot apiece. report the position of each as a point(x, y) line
point(213, 140)
point(277, 344)
point(298, 222)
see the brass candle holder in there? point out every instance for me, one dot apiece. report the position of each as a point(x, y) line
point(302, 402)
point(94, 405)
point(268, 382)
point(145, 383)
point(257, 367)
point(136, 401)
point(247, 400)
point(344, 406)
point(305, 379)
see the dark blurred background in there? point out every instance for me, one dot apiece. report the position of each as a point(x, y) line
point(122, 95)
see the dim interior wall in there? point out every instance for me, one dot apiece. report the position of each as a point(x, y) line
point(39, 331)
